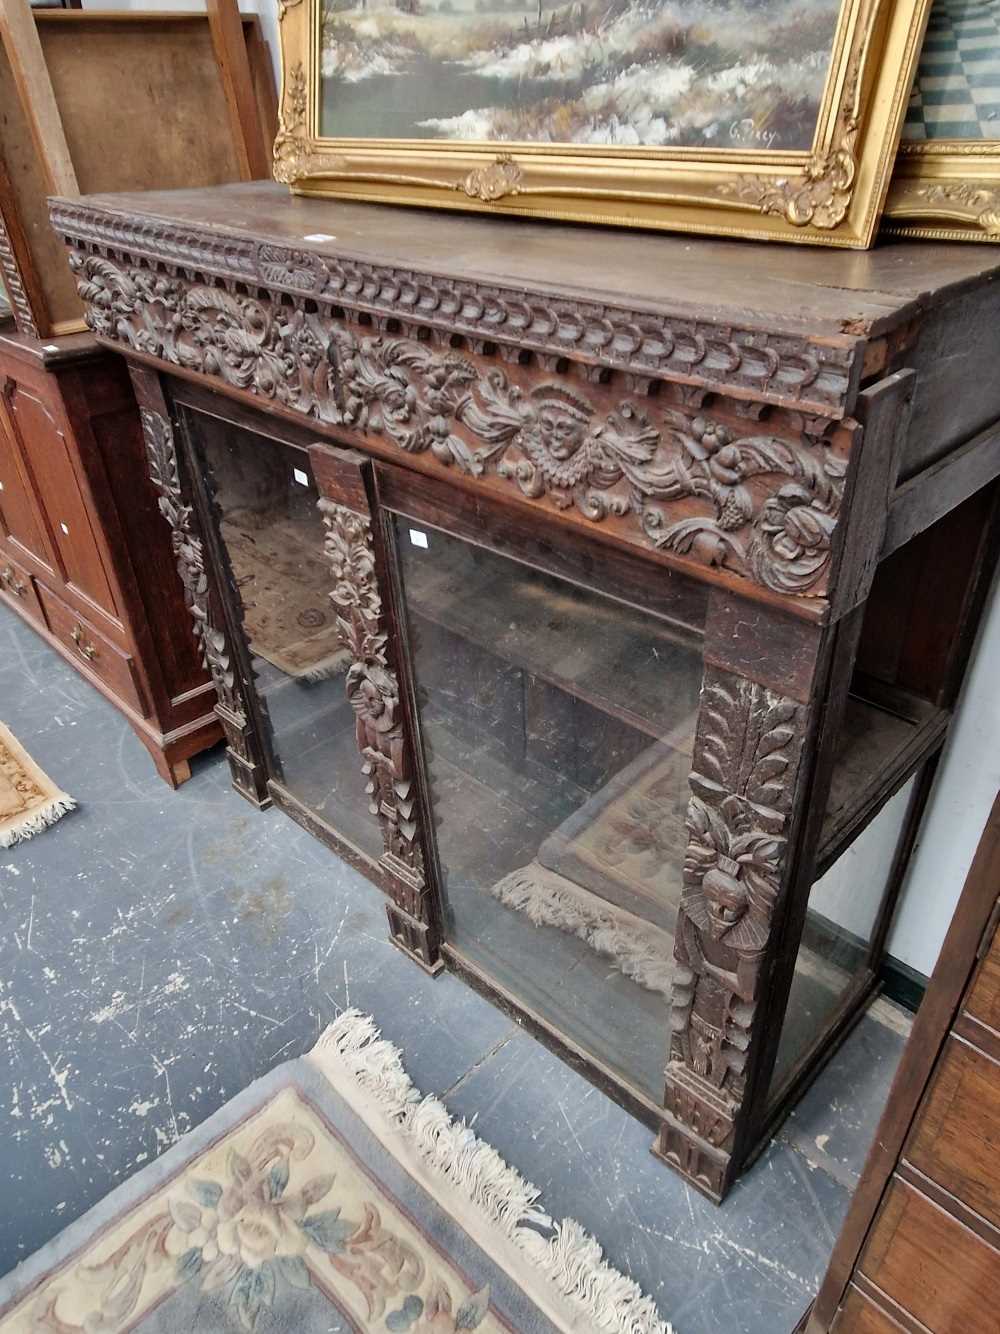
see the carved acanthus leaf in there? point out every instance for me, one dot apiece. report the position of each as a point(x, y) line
point(979, 203)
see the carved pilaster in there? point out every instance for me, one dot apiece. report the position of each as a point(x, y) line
point(746, 760)
point(17, 294)
point(245, 762)
point(386, 755)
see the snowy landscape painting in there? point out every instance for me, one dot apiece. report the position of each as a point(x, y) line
point(721, 74)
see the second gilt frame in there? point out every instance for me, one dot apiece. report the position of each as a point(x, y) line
point(946, 190)
point(830, 195)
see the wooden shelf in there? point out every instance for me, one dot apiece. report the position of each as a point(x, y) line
point(524, 621)
point(887, 734)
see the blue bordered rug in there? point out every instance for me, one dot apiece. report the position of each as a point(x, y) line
point(328, 1197)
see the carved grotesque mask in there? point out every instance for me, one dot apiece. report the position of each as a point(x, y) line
point(726, 897)
point(562, 423)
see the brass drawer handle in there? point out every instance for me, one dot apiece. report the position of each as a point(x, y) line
point(10, 579)
point(84, 649)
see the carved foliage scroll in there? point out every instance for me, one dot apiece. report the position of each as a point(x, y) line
point(373, 691)
point(669, 472)
point(745, 764)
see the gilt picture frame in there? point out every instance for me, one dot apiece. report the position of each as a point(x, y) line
point(946, 185)
point(771, 119)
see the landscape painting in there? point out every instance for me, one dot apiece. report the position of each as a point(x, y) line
point(721, 74)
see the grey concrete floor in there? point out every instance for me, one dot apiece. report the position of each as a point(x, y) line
point(160, 950)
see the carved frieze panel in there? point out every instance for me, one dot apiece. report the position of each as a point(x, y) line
point(745, 764)
point(815, 375)
point(661, 465)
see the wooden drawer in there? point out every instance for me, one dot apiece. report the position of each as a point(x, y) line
point(93, 651)
point(17, 585)
point(956, 1140)
point(983, 1001)
point(859, 1315)
point(939, 1271)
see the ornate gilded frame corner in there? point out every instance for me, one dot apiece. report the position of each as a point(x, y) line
point(946, 190)
point(831, 195)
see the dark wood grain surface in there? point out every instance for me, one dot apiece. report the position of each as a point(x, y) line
point(778, 286)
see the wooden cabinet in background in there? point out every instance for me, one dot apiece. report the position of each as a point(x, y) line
point(920, 1249)
point(84, 555)
point(93, 100)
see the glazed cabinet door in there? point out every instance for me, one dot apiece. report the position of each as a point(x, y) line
point(285, 656)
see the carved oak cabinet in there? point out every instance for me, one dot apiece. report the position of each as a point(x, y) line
point(603, 597)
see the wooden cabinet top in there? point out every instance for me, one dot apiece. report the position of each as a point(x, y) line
point(711, 402)
point(771, 302)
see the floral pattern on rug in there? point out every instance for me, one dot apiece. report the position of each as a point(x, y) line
point(279, 1206)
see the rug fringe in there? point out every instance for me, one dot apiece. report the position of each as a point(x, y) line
point(632, 948)
point(323, 671)
point(567, 1255)
point(39, 820)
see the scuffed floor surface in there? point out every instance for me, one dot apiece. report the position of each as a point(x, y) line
point(159, 950)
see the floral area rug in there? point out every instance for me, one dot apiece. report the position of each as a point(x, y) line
point(29, 800)
point(328, 1197)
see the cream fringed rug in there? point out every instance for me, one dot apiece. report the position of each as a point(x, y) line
point(29, 800)
point(329, 1196)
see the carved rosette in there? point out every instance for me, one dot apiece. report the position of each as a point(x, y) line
point(211, 639)
point(745, 764)
point(706, 483)
point(373, 691)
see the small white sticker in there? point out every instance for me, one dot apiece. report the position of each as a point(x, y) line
point(301, 477)
point(418, 538)
point(65, 529)
point(319, 236)
point(50, 347)
point(1, 486)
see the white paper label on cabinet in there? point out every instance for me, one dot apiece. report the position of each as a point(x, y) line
point(65, 529)
point(418, 538)
point(301, 477)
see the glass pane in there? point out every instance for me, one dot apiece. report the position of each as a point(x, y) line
point(273, 535)
point(843, 910)
point(558, 726)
